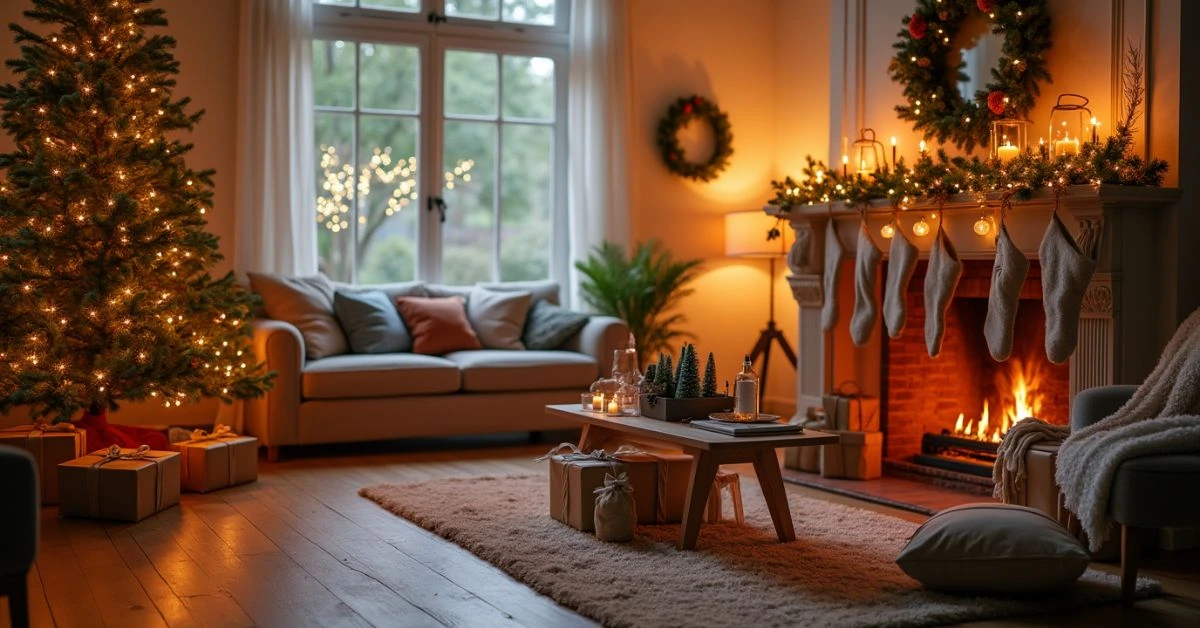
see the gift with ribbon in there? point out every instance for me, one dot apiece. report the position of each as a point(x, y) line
point(847, 408)
point(575, 475)
point(49, 444)
point(119, 484)
point(217, 459)
point(615, 511)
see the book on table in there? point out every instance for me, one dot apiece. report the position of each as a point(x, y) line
point(746, 429)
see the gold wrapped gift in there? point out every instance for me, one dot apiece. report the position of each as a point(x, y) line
point(49, 445)
point(120, 484)
point(217, 460)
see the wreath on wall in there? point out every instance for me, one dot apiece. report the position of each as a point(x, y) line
point(682, 112)
point(934, 105)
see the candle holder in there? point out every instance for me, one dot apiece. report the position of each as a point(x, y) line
point(1009, 138)
point(585, 401)
point(867, 153)
point(612, 406)
point(1068, 121)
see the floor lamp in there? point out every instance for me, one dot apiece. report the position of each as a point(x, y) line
point(746, 236)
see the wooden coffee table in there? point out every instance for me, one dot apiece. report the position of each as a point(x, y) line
point(709, 450)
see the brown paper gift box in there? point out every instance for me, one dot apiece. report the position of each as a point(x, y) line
point(858, 456)
point(855, 413)
point(674, 474)
point(805, 458)
point(48, 450)
point(96, 487)
point(208, 465)
point(574, 478)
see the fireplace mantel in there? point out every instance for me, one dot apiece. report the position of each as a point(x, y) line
point(1128, 309)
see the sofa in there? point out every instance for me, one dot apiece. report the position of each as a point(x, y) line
point(333, 383)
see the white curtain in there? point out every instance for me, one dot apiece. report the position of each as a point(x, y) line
point(598, 124)
point(276, 229)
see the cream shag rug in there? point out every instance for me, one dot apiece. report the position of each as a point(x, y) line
point(838, 572)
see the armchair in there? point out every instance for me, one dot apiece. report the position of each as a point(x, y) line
point(18, 529)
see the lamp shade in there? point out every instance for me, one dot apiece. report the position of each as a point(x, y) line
point(746, 235)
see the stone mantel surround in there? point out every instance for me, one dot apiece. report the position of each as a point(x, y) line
point(1128, 311)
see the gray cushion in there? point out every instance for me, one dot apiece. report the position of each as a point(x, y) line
point(993, 549)
point(371, 322)
point(512, 371)
point(547, 326)
point(307, 303)
point(1146, 491)
point(498, 316)
point(379, 375)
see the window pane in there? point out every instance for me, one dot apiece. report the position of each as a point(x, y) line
point(387, 199)
point(408, 6)
point(529, 11)
point(526, 168)
point(333, 73)
point(337, 2)
point(469, 190)
point(479, 9)
point(388, 77)
point(529, 88)
point(471, 83)
point(334, 134)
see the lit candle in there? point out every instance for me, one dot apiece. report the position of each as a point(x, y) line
point(1007, 152)
point(1042, 147)
point(862, 168)
point(597, 402)
point(845, 162)
point(1066, 147)
point(613, 406)
point(1095, 125)
point(893, 151)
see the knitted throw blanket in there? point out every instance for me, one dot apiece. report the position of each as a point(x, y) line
point(1008, 474)
point(1163, 417)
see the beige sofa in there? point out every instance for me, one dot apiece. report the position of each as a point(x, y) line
point(363, 397)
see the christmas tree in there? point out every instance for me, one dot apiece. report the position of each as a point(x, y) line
point(664, 376)
point(688, 383)
point(709, 388)
point(105, 294)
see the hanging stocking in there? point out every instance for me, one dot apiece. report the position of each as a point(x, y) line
point(866, 274)
point(902, 261)
point(833, 263)
point(1008, 274)
point(1066, 271)
point(941, 278)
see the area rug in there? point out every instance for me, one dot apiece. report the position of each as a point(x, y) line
point(838, 572)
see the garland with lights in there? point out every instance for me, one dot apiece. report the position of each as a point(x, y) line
point(105, 294)
point(933, 103)
point(682, 112)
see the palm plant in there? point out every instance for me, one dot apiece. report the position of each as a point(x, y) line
point(641, 290)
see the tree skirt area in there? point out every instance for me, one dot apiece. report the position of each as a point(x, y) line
point(838, 572)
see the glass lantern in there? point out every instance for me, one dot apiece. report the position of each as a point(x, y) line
point(1010, 138)
point(1069, 121)
point(867, 153)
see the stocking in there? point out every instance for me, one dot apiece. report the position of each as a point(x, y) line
point(941, 278)
point(902, 261)
point(1007, 276)
point(833, 263)
point(866, 274)
point(1066, 271)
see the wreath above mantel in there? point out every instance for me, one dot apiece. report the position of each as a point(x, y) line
point(682, 112)
point(921, 66)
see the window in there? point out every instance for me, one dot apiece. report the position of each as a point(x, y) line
point(475, 87)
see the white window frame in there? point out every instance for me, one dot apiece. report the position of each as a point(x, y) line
point(358, 25)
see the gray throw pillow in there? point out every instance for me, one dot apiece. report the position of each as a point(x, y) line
point(371, 322)
point(498, 317)
point(548, 326)
point(993, 549)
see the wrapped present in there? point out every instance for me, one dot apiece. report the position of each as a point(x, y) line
point(806, 458)
point(49, 445)
point(120, 484)
point(725, 482)
point(575, 475)
point(674, 474)
point(216, 460)
point(857, 455)
point(614, 515)
point(848, 409)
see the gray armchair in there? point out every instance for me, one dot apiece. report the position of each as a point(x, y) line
point(1147, 492)
point(19, 502)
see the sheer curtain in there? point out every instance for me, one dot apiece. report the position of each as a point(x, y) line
point(598, 124)
point(276, 229)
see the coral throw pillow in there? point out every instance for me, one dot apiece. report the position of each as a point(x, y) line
point(438, 324)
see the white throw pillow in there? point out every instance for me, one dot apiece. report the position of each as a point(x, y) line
point(498, 317)
point(307, 303)
point(993, 549)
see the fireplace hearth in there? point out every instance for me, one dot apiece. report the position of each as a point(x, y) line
point(955, 453)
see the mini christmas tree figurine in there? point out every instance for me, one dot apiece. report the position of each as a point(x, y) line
point(688, 385)
point(105, 294)
point(648, 385)
point(663, 376)
point(709, 388)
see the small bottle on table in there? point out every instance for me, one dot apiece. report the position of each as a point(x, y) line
point(745, 393)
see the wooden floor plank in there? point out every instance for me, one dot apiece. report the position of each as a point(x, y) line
point(118, 594)
point(71, 603)
point(39, 608)
point(172, 609)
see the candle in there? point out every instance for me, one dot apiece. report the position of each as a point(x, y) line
point(845, 162)
point(613, 406)
point(1007, 152)
point(597, 402)
point(862, 168)
point(1066, 147)
point(1042, 147)
point(1095, 124)
point(893, 151)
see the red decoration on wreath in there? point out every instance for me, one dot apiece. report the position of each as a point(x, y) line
point(917, 26)
point(996, 102)
point(687, 109)
point(987, 6)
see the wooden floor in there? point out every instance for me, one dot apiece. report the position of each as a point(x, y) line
point(301, 548)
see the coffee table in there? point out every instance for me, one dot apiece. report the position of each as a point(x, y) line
point(709, 450)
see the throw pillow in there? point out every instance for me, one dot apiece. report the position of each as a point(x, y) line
point(307, 303)
point(371, 322)
point(498, 317)
point(548, 326)
point(438, 324)
point(993, 549)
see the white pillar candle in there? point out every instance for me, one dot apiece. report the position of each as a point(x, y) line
point(1007, 152)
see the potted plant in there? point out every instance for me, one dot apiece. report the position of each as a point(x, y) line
point(682, 395)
